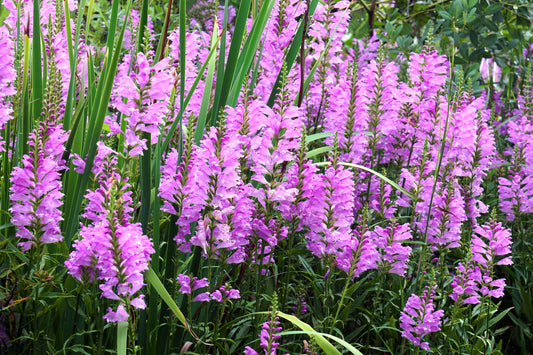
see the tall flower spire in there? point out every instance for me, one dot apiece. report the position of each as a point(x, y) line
point(36, 188)
point(112, 248)
point(419, 318)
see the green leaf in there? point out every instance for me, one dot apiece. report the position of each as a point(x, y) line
point(122, 338)
point(445, 15)
point(206, 98)
point(153, 280)
point(318, 151)
point(493, 8)
point(37, 89)
point(317, 136)
point(248, 52)
point(381, 176)
point(319, 338)
point(472, 3)
point(222, 90)
point(500, 315)
point(5, 226)
point(344, 343)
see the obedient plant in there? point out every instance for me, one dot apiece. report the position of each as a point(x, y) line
point(112, 249)
point(36, 188)
point(7, 78)
point(419, 318)
point(350, 176)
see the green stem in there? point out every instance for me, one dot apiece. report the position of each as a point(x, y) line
point(122, 338)
point(341, 303)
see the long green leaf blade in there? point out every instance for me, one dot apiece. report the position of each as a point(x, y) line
point(206, 99)
point(344, 343)
point(319, 338)
point(249, 51)
point(234, 49)
point(153, 280)
point(122, 338)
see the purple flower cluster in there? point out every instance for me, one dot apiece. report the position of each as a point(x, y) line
point(394, 255)
point(516, 187)
point(111, 248)
point(142, 96)
point(188, 285)
point(7, 78)
point(490, 246)
point(36, 188)
point(269, 337)
point(419, 318)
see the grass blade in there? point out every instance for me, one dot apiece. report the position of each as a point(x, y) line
point(206, 99)
point(153, 280)
point(318, 337)
point(221, 92)
point(318, 151)
point(249, 51)
point(344, 343)
point(379, 175)
point(37, 65)
point(122, 338)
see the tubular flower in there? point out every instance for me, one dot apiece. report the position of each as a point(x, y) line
point(394, 255)
point(111, 247)
point(36, 188)
point(269, 337)
point(142, 96)
point(7, 77)
point(419, 318)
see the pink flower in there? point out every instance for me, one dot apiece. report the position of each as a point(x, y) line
point(120, 315)
point(394, 255)
point(111, 247)
point(36, 188)
point(419, 318)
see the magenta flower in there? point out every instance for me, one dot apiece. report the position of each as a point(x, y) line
point(111, 247)
point(269, 337)
point(327, 212)
point(394, 255)
point(187, 285)
point(516, 194)
point(428, 71)
point(36, 188)
point(120, 315)
point(142, 96)
point(465, 283)
point(249, 351)
point(419, 318)
point(359, 254)
point(491, 245)
point(7, 78)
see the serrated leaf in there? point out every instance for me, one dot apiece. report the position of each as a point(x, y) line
point(496, 319)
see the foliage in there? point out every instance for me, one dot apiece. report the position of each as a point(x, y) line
point(274, 176)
